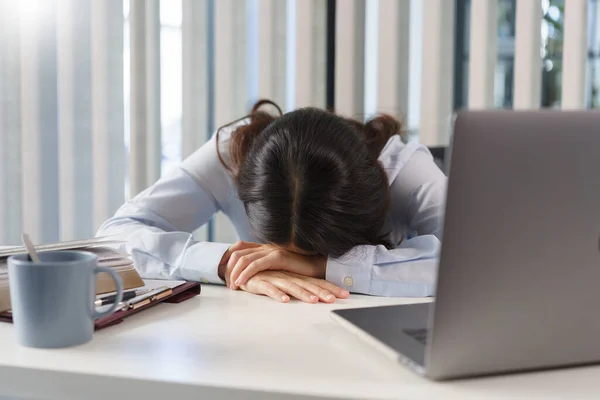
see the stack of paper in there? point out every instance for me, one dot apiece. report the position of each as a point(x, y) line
point(107, 256)
point(68, 245)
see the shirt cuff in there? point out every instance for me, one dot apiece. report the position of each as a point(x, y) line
point(201, 262)
point(355, 279)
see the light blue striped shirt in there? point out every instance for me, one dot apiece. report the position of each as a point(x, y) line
point(158, 223)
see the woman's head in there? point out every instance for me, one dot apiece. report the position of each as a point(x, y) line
point(310, 179)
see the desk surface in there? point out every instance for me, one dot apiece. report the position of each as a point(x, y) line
point(226, 344)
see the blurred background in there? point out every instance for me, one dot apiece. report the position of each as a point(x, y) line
point(99, 99)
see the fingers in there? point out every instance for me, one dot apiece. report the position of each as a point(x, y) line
point(322, 284)
point(295, 290)
point(305, 289)
point(237, 247)
point(274, 259)
point(337, 291)
point(235, 258)
point(237, 251)
point(324, 295)
point(223, 271)
point(273, 292)
point(241, 260)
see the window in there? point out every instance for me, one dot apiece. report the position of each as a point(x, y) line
point(551, 31)
point(170, 82)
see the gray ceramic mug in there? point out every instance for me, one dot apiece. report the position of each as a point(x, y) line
point(53, 301)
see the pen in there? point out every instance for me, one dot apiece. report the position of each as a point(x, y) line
point(147, 298)
point(126, 296)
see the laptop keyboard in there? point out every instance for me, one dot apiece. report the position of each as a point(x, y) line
point(420, 335)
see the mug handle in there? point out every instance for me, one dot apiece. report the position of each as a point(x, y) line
point(119, 296)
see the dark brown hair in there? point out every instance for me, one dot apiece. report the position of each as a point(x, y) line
point(311, 178)
point(376, 132)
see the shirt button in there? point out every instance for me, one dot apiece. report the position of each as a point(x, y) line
point(348, 281)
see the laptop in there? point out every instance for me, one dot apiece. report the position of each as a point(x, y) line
point(518, 284)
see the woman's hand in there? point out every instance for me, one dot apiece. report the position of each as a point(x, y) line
point(281, 286)
point(246, 262)
point(225, 267)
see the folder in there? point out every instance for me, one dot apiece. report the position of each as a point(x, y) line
point(107, 256)
point(180, 291)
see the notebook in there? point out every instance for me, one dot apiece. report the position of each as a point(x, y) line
point(179, 291)
point(107, 256)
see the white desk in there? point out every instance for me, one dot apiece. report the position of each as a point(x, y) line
point(226, 344)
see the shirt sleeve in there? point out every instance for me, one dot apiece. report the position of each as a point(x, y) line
point(417, 196)
point(157, 225)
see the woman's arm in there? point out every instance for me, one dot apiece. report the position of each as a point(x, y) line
point(418, 192)
point(157, 224)
point(409, 270)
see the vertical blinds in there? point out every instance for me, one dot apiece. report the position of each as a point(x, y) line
point(81, 105)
